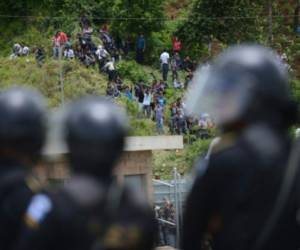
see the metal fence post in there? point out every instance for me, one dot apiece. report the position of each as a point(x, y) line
point(180, 200)
point(176, 207)
point(61, 78)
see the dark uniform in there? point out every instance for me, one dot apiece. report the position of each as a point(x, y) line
point(236, 190)
point(22, 132)
point(90, 211)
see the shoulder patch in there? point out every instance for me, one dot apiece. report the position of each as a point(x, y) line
point(39, 207)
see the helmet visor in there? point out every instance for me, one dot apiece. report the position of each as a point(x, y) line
point(218, 94)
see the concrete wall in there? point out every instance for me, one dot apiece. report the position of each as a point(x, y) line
point(137, 163)
point(56, 146)
point(142, 143)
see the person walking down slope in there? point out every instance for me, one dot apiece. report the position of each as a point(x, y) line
point(109, 67)
point(102, 55)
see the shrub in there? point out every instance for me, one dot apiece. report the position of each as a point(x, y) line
point(183, 160)
point(131, 70)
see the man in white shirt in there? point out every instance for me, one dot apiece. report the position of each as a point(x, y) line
point(17, 51)
point(109, 67)
point(25, 51)
point(147, 102)
point(69, 53)
point(164, 60)
point(102, 55)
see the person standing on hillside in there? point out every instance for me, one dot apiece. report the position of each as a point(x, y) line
point(159, 117)
point(40, 56)
point(176, 44)
point(56, 45)
point(63, 38)
point(105, 27)
point(58, 42)
point(164, 60)
point(140, 49)
point(174, 68)
point(147, 102)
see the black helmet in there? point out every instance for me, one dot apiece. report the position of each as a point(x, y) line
point(95, 130)
point(22, 122)
point(245, 84)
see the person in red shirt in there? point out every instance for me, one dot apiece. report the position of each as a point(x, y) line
point(58, 41)
point(177, 46)
point(105, 27)
point(56, 45)
point(63, 37)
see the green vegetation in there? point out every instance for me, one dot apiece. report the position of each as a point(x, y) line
point(165, 161)
point(77, 79)
point(195, 22)
point(208, 19)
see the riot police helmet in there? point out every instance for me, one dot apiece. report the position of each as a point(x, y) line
point(22, 123)
point(95, 130)
point(245, 84)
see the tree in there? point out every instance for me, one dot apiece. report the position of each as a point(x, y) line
point(138, 16)
point(229, 21)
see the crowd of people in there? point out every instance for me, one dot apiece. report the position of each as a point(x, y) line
point(19, 50)
point(245, 196)
point(150, 97)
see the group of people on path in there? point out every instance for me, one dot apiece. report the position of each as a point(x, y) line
point(19, 50)
point(150, 98)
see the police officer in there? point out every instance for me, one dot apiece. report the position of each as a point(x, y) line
point(235, 193)
point(22, 133)
point(90, 211)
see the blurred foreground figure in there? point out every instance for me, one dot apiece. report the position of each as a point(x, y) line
point(22, 133)
point(234, 195)
point(90, 211)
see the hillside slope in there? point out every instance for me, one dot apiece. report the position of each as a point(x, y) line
point(77, 80)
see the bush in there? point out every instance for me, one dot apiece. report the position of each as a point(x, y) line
point(156, 43)
point(183, 160)
point(295, 86)
point(132, 71)
point(142, 127)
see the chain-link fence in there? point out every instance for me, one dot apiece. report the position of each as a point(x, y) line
point(169, 198)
